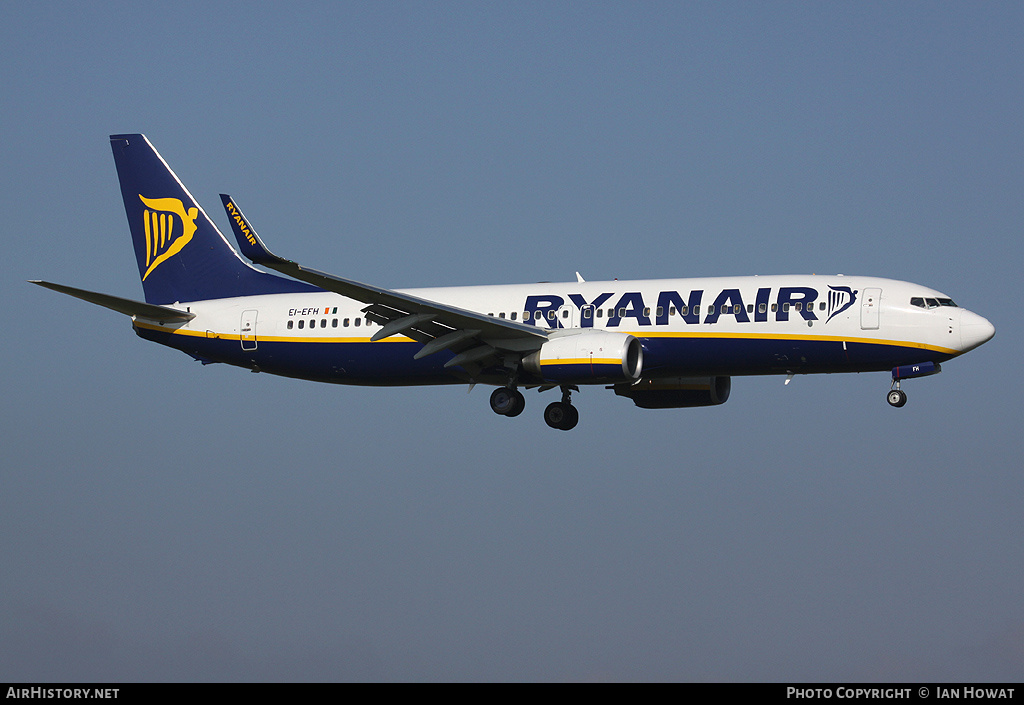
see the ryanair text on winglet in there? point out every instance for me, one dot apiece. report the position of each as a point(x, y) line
point(242, 225)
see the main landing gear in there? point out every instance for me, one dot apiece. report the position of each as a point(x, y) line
point(509, 401)
point(561, 415)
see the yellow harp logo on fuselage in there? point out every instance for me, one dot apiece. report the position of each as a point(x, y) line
point(163, 240)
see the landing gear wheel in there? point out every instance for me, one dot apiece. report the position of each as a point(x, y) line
point(574, 418)
point(897, 398)
point(561, 415)
point(519, 405)
point(507, 402)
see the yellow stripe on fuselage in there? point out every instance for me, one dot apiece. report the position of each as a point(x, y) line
point(263, 338)
point(576, 361)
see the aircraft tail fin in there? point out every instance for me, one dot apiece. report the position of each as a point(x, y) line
point(181, 254)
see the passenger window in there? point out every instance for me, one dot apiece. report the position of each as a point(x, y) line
point(290, 324)
point(345, 323)
point(611, 313)
point(323, 322)
point(358, 322)
point(785, 308)
point(647, 311)
point(660, 311)
point(750, 308)
point(737, 308)
point(671, 310)
point(622, 313)
point(312, 323)
point(512, 315)
point(775, 308)
point(711, 309)
point(551, 315)
point(798, 305)
point(565, 313)
point(685, 310)
point(762, 308)
point(334, 323)
point(301, 323)
point(501, 315)
point(587, 313)
point(600, 312)
point(821, 306)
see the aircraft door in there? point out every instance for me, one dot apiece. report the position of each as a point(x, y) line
point(586, 315)
point(247, 330)
point(568, 316)
point(869, 307)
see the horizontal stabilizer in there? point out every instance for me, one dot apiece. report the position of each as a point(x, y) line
point(126, 306)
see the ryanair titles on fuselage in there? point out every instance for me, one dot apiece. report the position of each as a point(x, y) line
point(787, 300)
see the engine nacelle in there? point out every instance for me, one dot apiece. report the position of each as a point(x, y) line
point(588, 357)
point(676, 392)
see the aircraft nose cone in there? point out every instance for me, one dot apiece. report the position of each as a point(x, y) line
point(974, 330)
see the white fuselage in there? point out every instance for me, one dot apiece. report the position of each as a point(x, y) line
point(724, 325)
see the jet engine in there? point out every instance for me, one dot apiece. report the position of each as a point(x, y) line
point(676, 392)
point(588, 357)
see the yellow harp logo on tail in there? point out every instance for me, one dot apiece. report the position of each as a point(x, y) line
point(163, 239)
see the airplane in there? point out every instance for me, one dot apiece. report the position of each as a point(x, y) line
point(671, 343)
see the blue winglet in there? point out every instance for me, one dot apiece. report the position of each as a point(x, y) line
point(249, 242)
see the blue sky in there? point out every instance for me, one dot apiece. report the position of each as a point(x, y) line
point(166, 521)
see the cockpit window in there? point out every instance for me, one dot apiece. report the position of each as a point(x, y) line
point(922, 302)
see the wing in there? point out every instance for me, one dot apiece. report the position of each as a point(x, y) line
point(475, 338)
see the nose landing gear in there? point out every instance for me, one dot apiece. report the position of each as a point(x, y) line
point(896, 397)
